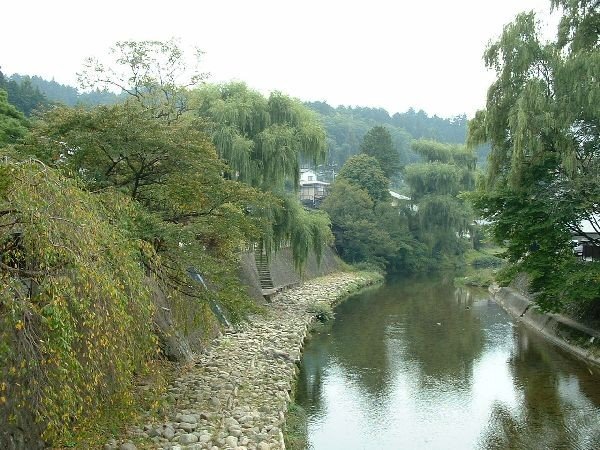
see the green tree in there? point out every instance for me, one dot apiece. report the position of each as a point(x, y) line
point(13, 125)
point(155, 73)
point(357, 235)
point(365, 172)
point(378, 143)
point(76, 315)
point(441, 217)
point(184, 209)
point(543, 123)
point(263, 140)
point(346, 128)
point(23, 94)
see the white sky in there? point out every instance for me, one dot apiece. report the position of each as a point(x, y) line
point(381, 53)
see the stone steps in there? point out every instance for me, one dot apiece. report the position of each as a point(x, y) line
point(264, 273)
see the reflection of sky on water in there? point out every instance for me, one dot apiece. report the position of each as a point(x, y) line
point(450, 370)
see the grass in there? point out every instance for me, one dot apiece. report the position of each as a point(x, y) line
point(481, 267)
point(295, 432)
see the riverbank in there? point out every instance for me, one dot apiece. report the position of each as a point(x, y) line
point(236, 394)
point(575, 338)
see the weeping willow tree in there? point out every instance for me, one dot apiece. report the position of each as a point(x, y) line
point(303, 230)
point(543, 123)
point(263, 140)
point(441, 218)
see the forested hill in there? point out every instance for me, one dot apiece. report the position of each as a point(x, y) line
point(347, 125)
point(30, 92)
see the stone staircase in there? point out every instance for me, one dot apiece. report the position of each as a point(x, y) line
point(264, 274)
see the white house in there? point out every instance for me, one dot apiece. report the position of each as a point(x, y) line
point(312, 191)
point(398, 198)
point(582, 245)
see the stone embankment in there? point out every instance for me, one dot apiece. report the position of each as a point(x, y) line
point(577, 339)
point(236, 394)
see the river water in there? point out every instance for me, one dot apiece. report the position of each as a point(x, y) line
point(419, 364)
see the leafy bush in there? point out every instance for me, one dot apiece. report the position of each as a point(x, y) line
point(75, 312)
point(487, 261)
point(322, 311)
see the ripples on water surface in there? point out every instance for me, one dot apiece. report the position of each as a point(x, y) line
point(419, 364)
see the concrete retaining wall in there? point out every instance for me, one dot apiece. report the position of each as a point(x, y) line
point(283, 272)
point(577, 339)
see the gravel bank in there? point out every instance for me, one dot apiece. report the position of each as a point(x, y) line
point(236, 394)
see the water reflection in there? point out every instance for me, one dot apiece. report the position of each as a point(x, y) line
point(421, 364)
point(555, 402)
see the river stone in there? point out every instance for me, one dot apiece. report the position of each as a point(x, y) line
point(168, 433)
point(263, 446)
point(127, 446)
point(231, 422)
point(245, 419)
point(204, 438)
point(187, 418)
point(188, 439)
point(187, 426)
point(231, 441)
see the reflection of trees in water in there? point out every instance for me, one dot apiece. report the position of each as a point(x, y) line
point(309, 386)
point(359, 337)
point(442, 334)
point(406, 314)
point(544, 419)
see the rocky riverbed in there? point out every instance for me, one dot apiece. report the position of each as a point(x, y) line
point(236, 394)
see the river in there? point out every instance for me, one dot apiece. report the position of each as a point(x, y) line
point(419, 364)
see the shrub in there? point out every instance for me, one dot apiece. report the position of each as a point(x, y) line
point(322, 311)
point(75, 312)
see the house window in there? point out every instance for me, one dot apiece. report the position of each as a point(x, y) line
point(310, 178)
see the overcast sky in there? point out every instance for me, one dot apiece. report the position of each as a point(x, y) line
point(425, 54)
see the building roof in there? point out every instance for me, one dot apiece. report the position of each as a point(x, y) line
point(399, 196)
point(587, 227)
point(314, 182)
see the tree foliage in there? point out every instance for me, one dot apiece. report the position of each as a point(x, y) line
point(367, 228)
point(75, 312)
point(543, 122)
point(13, 125)
point(58, 93)
point(378, 144)
point(263, 141)
point(188, 212)
point(441, 218)
point(358, 234)
point(346, 127)
point(155, 73)
point(365, 172)
point(23, 94)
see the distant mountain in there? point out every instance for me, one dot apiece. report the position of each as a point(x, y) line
point(346, 127)
point(55, 92)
